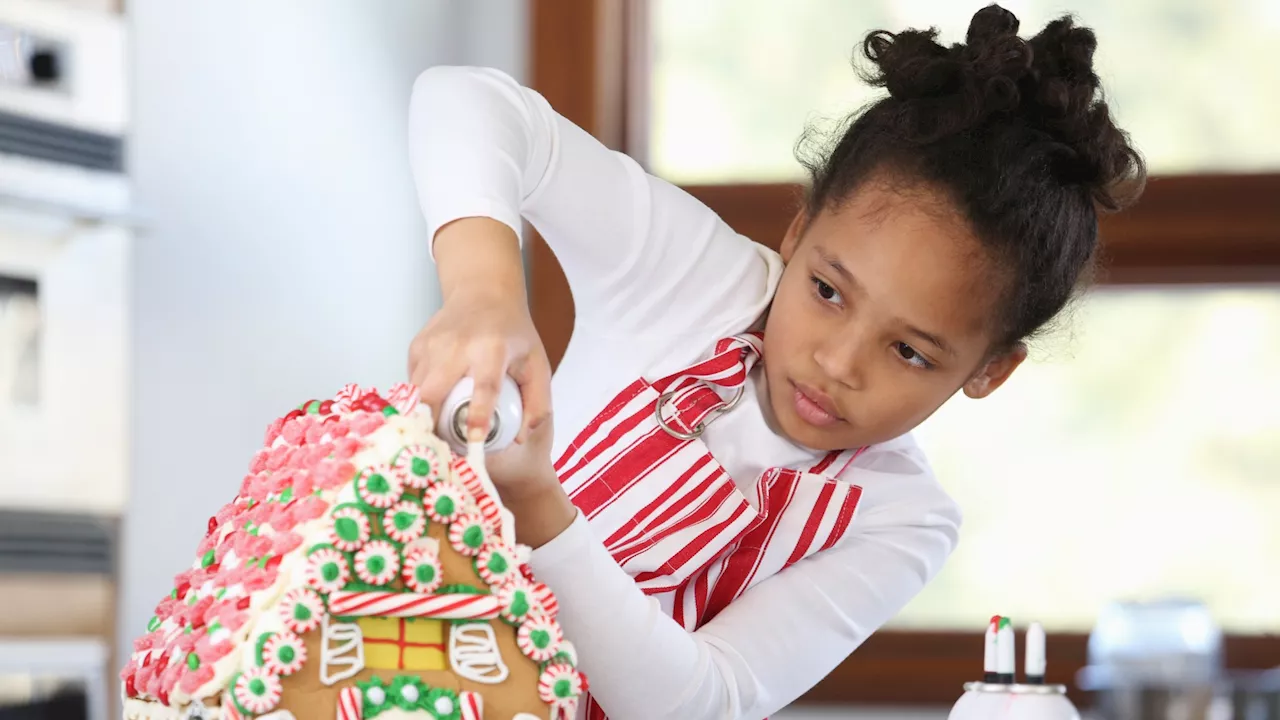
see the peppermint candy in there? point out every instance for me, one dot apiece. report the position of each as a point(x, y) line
point(444, 501)
point(284, 654)
point(516, 600)
point(497, 563)
point(546, 599)
point(538, 638)
point(467, 534)
point(256, 691)
point(561, 685)
point(404, 521)
point(403, 397)
point(345, 400)
point(301, 610)
point(327, 570)
point(418, 466)
point(422, 572)
point(350, 528)
point(379, 487)
point(377, 563)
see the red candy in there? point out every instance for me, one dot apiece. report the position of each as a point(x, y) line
point(326, 407)
point(130, 690)
point(309, 508)
point(243, 603)
point(315, 433)
point(285, 543)
point(371, 403)
point(346, 448)
point(294, 432)
point(366, 423)
point(273, 431)
point(211, 652)
point(192, 680)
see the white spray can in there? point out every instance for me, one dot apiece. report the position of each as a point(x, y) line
point(508, 416)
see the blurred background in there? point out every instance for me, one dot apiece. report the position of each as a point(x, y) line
point(206, 214)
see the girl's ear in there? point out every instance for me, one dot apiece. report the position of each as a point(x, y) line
point(992, 375)
point(791, 240)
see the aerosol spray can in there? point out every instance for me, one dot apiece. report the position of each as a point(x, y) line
point(508, 416)
point(1006, 698)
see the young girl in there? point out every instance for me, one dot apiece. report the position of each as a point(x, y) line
point(735, 502)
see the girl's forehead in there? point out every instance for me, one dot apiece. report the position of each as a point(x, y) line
point(913, 255)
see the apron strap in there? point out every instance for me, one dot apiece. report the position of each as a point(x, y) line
point(693, 393)
point(836, 462)
point(726, 368)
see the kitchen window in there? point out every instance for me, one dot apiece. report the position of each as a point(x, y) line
point(1152, 440)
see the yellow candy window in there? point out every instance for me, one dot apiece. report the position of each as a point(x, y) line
point(403, 643)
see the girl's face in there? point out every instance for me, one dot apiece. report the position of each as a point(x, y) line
point(884, 311)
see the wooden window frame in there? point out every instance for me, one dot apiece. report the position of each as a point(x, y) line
point(589, 58)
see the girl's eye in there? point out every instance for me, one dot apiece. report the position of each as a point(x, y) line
point(912, 357)
point(824, 290)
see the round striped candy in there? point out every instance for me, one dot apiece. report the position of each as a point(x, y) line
point(327, 570)
point(350, 528)
point(539, 637)
point(377, 563)
point(561, 684)
point(497, 563)
point(546, 599)
point(404, 521)
point(467, 534)
point(301, 610)
point(284, 654)
point(257, 691)
point(516, 601)
point(418, 466)
point(422, 572)
point(379, 487)
point(444, 501)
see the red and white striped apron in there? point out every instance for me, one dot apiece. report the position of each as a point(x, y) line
point(669, 513)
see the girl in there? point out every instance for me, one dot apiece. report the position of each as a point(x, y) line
point(736, 502)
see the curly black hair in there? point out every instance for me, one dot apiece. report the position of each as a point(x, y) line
point(1013, 132)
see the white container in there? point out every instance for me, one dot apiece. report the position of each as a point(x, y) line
point(994, 701)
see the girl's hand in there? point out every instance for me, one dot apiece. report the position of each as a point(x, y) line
point(526, 480)
point(483, 329)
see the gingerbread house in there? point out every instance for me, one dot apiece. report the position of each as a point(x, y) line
point(363, 571)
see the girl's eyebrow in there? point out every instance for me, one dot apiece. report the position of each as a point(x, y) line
point(838, 267)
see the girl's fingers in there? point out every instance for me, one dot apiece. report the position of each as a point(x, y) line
point(436, 376)
point(533, 375)
point(488, 365)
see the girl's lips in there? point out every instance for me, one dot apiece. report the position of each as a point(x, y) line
point(814, 407)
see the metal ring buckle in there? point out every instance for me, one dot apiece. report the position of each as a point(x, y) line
point(701, 427)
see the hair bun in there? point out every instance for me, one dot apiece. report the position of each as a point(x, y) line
point(1046, 83)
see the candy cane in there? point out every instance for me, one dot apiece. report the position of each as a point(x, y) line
point(350, 704)
point(449, 606)
point(472, 705)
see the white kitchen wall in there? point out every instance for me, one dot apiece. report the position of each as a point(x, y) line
point(285, 254)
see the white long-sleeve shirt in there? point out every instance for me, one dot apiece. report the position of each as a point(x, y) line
point(657, 278)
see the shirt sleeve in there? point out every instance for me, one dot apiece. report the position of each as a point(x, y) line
point(773, 643)
point(640, 255)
